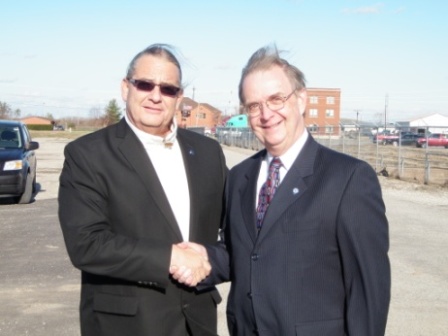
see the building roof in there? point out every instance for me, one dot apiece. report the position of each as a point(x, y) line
point(192, 104)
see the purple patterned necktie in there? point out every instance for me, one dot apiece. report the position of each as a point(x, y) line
point(268, 189)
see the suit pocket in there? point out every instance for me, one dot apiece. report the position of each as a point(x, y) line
point(115, 304)
point(321, 328)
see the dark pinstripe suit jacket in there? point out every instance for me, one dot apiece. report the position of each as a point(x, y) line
point(319, 266)
point(119, 227)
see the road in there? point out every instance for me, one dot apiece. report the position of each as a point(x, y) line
point(39, 289)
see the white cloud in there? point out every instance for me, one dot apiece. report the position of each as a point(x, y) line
point(373, 9)
point(399, 10)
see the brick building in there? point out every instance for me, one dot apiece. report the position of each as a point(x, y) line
point(322, 115)
point(193, 114)
point(32, 120)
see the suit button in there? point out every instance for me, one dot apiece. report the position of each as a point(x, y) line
point(249, 295)
point(254, 257)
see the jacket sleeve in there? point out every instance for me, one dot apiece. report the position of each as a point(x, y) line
point(218, 253)
point(362, 231)
point(92, 244)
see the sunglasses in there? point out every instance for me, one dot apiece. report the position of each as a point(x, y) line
point(147, 86)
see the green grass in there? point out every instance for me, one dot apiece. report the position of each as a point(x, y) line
point(58, 134)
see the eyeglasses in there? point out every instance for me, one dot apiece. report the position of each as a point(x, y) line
point(148, 86)
point(274, 103)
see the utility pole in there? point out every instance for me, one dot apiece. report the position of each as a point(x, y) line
point(385, 112)
point(357, 120)
point(193, 93)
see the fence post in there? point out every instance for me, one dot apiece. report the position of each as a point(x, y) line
point(400, 161)
point(359, 143)
point(427, 168)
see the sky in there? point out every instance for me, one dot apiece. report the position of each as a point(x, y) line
point(67, 58)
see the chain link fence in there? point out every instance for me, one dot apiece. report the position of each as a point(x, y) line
point(396, 158)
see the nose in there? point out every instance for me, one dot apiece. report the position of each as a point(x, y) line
point(155, 94)
point(265, 111)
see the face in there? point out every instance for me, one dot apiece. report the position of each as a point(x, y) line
point(276, 130)
point(152, 112)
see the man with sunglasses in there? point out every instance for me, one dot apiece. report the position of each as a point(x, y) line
point(305, 241)
point(128, 194)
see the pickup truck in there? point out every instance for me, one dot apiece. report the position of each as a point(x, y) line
point(435, 139)
point(385, 139)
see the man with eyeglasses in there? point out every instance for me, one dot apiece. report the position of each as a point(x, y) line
point(305, 241)
point(129, 193)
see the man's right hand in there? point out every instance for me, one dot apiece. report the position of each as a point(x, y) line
point(189, 263)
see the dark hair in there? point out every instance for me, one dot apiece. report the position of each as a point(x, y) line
point(165, 51)
point(266, 58)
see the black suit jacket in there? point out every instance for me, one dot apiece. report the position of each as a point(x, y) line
point(319, 266)
point(118, 228)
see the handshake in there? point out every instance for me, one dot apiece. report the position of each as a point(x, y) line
point(189, 263)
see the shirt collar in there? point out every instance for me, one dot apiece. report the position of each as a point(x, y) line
point(149, 139)
point(291, 154)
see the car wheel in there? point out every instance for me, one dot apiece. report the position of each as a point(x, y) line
point(28, 192)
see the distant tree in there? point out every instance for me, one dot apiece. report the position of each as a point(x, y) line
point(379, 118)
point(17, 113)
point(96, 116)
point(112, 112)
point(5, 111)
point(95, 112)
point(49, 116)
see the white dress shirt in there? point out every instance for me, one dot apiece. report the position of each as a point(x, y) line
point(287, 160)
point(166, 157)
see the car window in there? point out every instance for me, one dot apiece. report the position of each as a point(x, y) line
point(10, 137)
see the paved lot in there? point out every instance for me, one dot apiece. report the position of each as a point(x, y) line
point(39, 289)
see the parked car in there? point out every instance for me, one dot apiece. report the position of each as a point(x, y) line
point(434, 139)
point(58, 128)
point(405, 139)
point(385, 138)
point(17, 162)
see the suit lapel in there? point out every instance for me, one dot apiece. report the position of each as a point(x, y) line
point(248, 191)
point(133, 150)
point(191, 164)
point(292, 187)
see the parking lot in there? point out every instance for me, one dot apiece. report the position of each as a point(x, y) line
point(39, 290)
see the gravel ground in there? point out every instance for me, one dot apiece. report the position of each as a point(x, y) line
point(40, 289)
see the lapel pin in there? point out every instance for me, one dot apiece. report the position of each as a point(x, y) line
point(295, 191)
point(191, 152)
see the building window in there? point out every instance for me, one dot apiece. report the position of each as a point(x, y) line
point(329, 113)
point(329, 129)
point(330, 100)
point(313, 128)
point(314, 100)
point(201, 115)
point(313, 113)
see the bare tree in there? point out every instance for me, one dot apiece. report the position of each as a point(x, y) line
point(96, 116)
point(5, 111)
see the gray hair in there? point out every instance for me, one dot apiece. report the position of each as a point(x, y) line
point(161, 50)
point(265, 58)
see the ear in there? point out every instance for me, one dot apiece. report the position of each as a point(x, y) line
point(179, 99)
point(302, 98)
point(124, 89)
